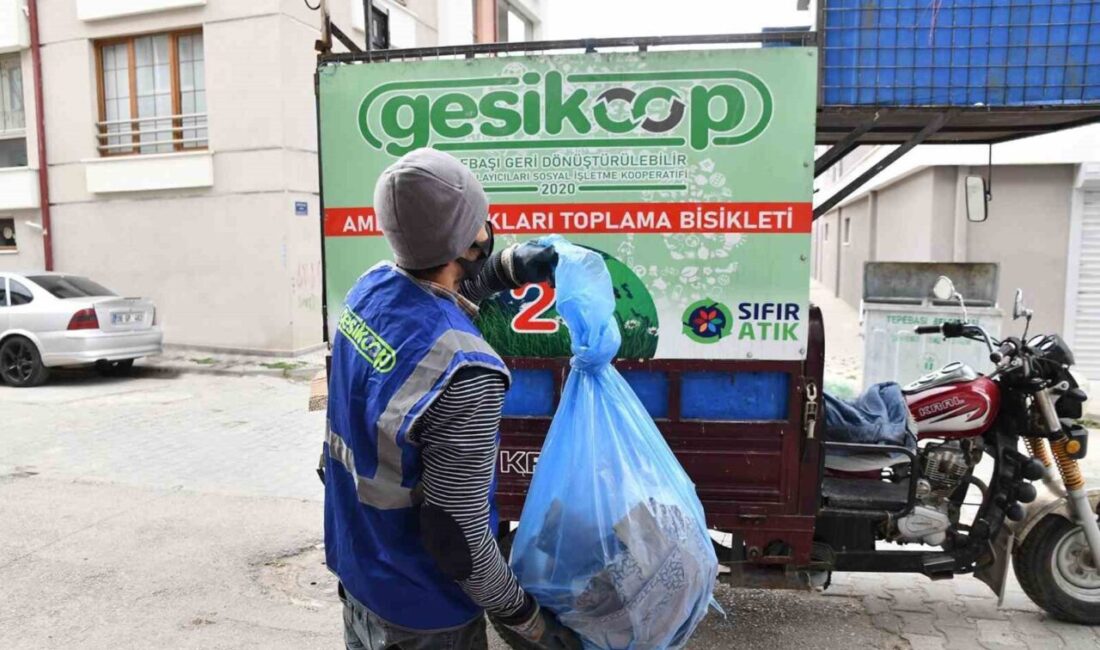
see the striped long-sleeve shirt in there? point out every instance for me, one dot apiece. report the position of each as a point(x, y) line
point(458, 439)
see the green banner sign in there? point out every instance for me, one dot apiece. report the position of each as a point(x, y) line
point(691, 172)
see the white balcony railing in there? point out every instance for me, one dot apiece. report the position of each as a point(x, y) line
point(158, 134)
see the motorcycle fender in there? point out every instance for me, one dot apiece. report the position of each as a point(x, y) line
point(1013, 533)
point(1047, 504)
point(995, 573)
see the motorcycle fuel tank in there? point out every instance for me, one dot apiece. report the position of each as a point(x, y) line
point(955, 402)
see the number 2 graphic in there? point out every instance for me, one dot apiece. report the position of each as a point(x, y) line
point(530, 319)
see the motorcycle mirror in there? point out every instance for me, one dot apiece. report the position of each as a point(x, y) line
point(1019, 311)
point(977, 199)
point(944, 289)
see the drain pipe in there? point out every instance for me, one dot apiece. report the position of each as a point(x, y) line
point(40, 131)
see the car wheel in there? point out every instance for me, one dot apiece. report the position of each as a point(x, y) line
point(115, 368)
point(20, 364)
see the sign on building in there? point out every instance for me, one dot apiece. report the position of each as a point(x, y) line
point(690, 172)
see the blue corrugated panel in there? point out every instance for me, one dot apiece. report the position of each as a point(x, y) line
point(531, 394)
point(651, 389)
point(734, 396)
point(713, 396)
point(961, 52)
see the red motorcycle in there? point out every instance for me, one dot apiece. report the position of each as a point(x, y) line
point(793, 506)
point(961, 417)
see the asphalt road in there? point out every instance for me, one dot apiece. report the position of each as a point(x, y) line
point(183, 512)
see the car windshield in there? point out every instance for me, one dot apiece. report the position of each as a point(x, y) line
point(70, 286)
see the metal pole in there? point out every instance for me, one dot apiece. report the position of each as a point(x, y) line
point(930, 129)
point(326, 32)
point(368, 23)
point(40, 132)
point(842, 147)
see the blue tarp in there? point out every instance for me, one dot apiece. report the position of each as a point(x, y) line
point(878, 416)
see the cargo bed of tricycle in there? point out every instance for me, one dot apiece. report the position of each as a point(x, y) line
point(744, 430)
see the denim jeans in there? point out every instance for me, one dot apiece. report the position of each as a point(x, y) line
point(365, 631)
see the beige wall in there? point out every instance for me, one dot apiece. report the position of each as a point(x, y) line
point(915, 220)
point(1028, 234)
point(904, 209)
point(941, 235)
point(829, 259)
point(856, 251)
point(30, 255)
point(229, 266)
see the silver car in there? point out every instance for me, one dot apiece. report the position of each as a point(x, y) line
point(53, 319)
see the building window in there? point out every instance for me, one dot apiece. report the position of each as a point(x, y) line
point(13, 117)
point(825, 231)
point(7, 235)
point(380, 29)
point(846, 231)
point(513, 26)
point(152, 94)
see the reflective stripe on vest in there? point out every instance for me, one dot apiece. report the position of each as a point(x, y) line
point(385, 491)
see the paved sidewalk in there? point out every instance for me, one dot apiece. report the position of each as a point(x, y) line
point(94, 565)
point(175, 360)
point(843, 342)
point(183, 512)
point(236, 435)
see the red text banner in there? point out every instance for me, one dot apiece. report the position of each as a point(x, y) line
point(617, 218)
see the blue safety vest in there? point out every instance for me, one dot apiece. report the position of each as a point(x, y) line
point(397, 346)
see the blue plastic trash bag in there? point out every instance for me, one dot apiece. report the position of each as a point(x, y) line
point(612, 538)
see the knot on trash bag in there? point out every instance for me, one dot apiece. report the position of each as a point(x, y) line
point(600, 349)
point(586, 301)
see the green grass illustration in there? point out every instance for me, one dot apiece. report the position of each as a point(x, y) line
point(634, 312)
point(495, 322)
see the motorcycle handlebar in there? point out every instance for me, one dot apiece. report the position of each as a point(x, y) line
point(950, 329)
point(1006, 348)
point(956, 329)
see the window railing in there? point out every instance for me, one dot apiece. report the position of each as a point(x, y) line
point(155, 134)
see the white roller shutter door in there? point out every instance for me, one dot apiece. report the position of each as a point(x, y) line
point(1086, 345)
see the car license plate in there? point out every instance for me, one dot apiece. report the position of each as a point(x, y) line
point(127, 318)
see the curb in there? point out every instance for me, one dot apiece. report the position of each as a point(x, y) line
point(298, 374)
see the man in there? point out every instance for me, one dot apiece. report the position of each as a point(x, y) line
point(415, 398)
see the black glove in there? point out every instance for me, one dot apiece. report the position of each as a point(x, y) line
point(530, 263)
point(511, 268)
point(545, 630)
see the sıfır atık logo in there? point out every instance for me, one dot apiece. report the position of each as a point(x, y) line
point(696, 108)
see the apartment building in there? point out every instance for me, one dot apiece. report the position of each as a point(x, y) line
point(1043, 228)
point(181, 149)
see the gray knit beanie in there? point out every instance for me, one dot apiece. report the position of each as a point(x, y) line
point(431, 208)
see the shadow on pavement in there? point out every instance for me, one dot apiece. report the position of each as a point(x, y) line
point(60, 377)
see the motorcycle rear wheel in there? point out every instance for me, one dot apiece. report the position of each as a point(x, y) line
point(1055, 568)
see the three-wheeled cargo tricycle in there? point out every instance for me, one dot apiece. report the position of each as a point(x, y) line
point(691, 172)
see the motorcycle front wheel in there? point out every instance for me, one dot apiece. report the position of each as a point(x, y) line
point(1055, 568)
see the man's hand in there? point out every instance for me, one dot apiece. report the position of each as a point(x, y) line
point(530, 263)
point(544, 630)
point(511, 268)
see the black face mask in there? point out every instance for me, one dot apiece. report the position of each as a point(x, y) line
point(472, 268)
